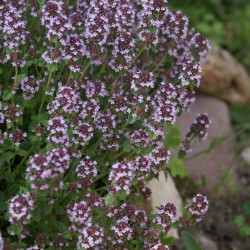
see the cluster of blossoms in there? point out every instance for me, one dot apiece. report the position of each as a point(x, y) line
point(45, 170)
point(197, 129)
point(20, 212)
point(166, 216)
point(96, 85)
point(198, 207)
point(200, 126)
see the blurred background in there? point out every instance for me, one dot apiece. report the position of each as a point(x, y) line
point(220, 167)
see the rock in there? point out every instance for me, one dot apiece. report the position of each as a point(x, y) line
point(206, 242)
point(215, 166)
point(245, 154)
point(224, 77)
point(164, 190)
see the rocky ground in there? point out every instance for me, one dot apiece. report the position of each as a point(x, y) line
point(224, 175)
point(218, 230)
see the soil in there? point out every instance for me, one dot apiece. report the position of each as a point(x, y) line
point(219, 225)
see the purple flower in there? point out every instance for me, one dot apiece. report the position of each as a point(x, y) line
point(198, 207)
point(20, 208)
point(121, 176)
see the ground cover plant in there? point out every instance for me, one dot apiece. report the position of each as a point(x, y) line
point(90, 93)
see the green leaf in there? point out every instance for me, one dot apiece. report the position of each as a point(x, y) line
point(17, 230)
point(6, 157)
point(9, 125)
point(182, 154)
point(153, 29)
point(122, 194)
point(29, 63)
point(239, 220)
point(9, 176)
point(22, 152)
point(52, 67)
point(21, 77)
point(172, 139)
point(132, 119)
point(168, 241)
point(23, 190)
point(3, 206)
point(41, 2)
point(110, 199)
point(59, 210)
point(2, 196)
point(127, 148)
point(40, 62)
point(154, 49)
point(33, 139)
point(152, 136)
point(36, 215)
point(240, 114)
point(8, 50)
point(48, 209)
point(246, 207)
point(177, 168)
point(190, 242)
point(138, 151)
point(41, 118)
point(7, 95)
point(13, 189)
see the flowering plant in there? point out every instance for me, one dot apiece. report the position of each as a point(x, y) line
point(90, 93)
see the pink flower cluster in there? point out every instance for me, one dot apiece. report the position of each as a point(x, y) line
point(198, 129)
point(44, 171)
point(198, 207)
point(20, 209)
point(95, 84)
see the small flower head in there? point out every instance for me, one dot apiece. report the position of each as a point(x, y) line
point(90, 237)
point(20, 208)
point(122, 230)
point(121, 176)
point(166, 215)
point(13, 112)
point(200, 126)
point(198, 207)
point(30, 86)
point(186, 145)
point(17, 136)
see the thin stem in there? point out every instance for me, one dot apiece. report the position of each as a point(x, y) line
point(16, 70)
point(44, 96)
point(159, 63)
point(70, 73)
point(99, 177)
point(24, 159)
point(114, 85)
point(37, 70)
point(84, 71)
point(103, 65)
point(137, 56)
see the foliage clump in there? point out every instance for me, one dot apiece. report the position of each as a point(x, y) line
point(90, 92)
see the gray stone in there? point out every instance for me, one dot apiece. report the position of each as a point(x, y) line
point(214, 167)
point(245, 154)
point(224, 77)
point(206, 243)
point(164, 190)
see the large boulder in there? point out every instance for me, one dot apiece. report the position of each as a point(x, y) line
point(224, 77)
point(213, 167)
